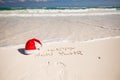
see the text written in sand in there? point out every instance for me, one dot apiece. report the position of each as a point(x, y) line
point(61, 51)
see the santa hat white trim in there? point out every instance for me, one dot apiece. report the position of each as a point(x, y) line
point(32, 51)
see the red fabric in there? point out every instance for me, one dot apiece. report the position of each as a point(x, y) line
point(30, 45)
point(37, 41)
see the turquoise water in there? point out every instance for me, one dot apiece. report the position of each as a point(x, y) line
point(57, 4)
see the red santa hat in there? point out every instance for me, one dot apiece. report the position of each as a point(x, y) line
point(30, 46)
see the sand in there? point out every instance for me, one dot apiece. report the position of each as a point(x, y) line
point(93, 60)
point(78, 45)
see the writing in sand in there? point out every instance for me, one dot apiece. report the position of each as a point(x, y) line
point(61, 51)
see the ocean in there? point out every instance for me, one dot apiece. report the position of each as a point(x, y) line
point(58, 4)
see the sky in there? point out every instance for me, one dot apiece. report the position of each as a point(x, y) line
point(58, 3)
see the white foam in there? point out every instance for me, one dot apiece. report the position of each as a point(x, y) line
point(52, 13)
point(98, 39)
point(58, 14)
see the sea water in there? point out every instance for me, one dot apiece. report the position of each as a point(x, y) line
point(58, 4)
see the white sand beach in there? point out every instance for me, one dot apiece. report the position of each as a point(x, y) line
point(96, 60)
point(78, 45)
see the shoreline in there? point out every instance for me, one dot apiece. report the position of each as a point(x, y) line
point(72, 26)
point(49, 42)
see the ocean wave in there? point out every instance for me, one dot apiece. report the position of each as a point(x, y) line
point(59, 8)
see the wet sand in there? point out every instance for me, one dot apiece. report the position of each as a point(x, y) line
point(94, 24)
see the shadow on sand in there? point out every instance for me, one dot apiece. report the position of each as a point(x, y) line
point(22, 51)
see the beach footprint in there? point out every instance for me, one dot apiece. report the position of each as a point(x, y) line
point(49, 71)
point(56, 71)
